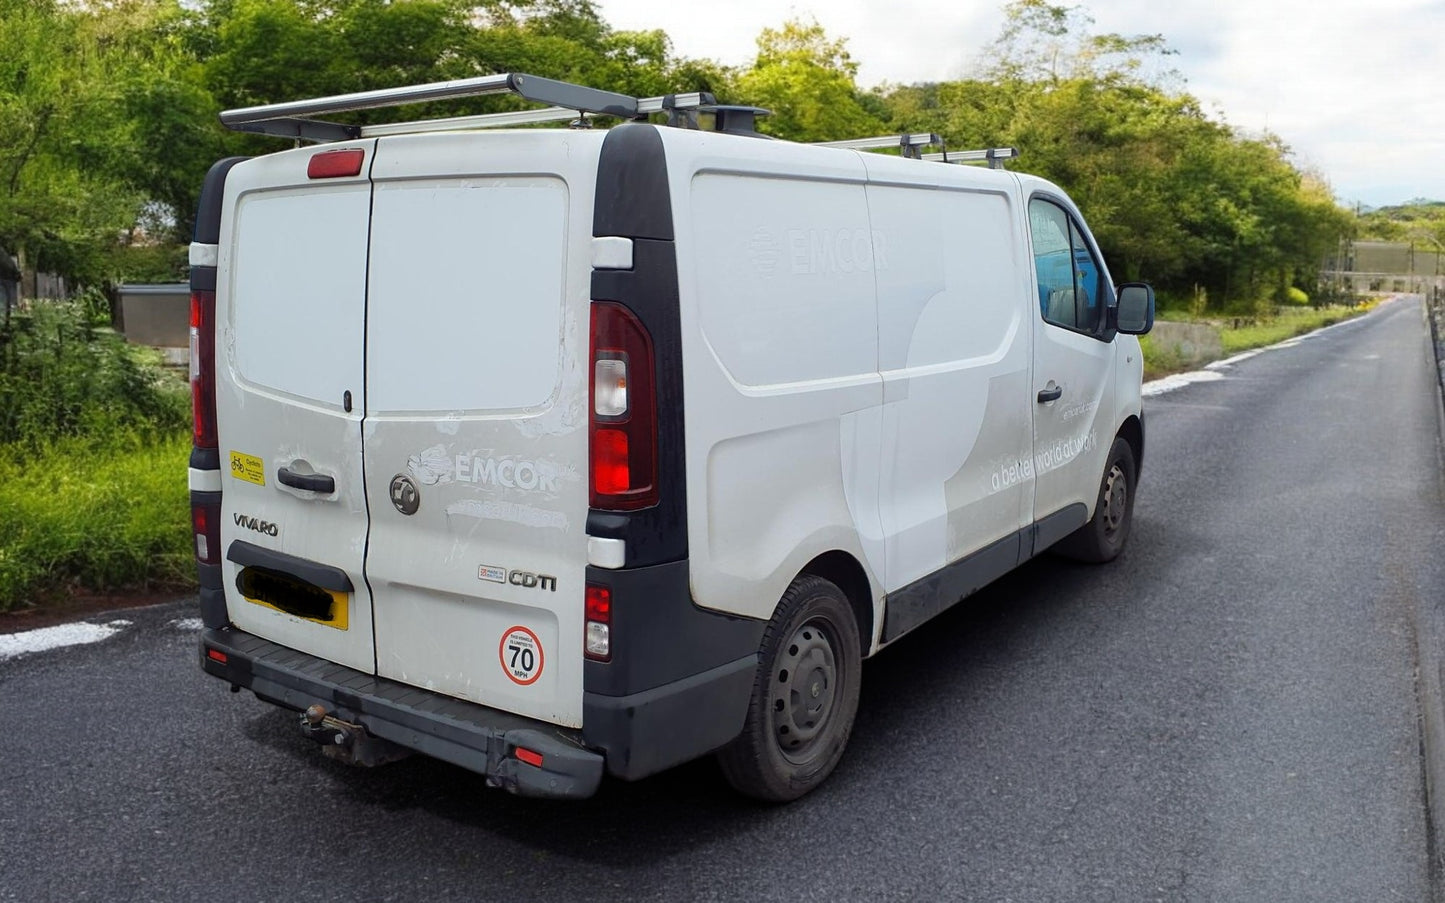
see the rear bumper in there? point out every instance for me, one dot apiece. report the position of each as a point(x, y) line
point(475, 737)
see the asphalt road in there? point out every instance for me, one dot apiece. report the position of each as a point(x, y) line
point(1229, 712)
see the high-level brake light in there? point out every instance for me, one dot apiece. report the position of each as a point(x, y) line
point(335, 164)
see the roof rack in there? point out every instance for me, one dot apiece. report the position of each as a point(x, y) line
point(908, 144)
point(994, 155)
point(568, 101)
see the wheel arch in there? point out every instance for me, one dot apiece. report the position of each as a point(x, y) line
point(1132, 432)
point(845, 572)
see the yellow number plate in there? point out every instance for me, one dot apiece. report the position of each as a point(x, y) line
point(295, 597)
point(249, 468)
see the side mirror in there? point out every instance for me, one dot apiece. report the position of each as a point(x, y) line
point(1135, 313)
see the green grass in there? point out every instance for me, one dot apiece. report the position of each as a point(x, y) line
point(1285, 324)
point(1159, 360)
point(90, 515)
point(1289, 323)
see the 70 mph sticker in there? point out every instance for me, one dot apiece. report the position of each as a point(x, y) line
point(521, 655)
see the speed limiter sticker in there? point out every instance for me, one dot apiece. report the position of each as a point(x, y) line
point(521, 655)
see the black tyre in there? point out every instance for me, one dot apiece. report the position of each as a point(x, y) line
point(1103, 537)
point(804, 697)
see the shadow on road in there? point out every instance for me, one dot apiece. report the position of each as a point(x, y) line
point(914, 684)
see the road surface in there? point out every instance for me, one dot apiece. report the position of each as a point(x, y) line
point(1229, 712)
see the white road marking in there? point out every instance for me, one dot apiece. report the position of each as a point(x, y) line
point(1179, 381)
point(60, 636)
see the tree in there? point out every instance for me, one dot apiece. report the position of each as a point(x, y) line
point(807, 81)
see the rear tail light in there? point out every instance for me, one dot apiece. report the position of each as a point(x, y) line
point(206, 525)
point(599, 623)
point(623, 404)
point(203, 368)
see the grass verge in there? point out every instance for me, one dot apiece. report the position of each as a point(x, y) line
point(86, 515)
point(1161, 360)
point(1286, 325)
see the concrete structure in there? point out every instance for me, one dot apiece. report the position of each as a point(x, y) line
point(159, 316)
point(1387, 266)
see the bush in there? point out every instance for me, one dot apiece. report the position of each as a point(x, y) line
point(61, 376)
point(94, 514)
point(93, 449)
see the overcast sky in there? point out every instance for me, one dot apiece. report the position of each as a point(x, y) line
point(1356, 89)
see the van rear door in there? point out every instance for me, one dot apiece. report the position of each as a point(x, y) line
point(290, 308)
point(476, 414)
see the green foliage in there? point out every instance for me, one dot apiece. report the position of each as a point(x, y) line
point(61, 377)
point(807, 81)
point(1173, 197)
point(1419, 222)
point(95, 515)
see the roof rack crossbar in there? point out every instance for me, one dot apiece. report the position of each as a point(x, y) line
point(289, 119)
point(995, 156)
point(569, 101)
point(908, 143)
point(482, 121)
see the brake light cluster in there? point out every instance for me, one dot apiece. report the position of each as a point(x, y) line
point(206, 524)
point(205, 515)
point(598, 642)
point(203, 367)
point(623, 411)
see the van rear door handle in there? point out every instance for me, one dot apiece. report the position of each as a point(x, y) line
point(1048, 395)
point(313, 482)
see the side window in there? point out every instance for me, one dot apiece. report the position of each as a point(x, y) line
point(1089, 292)
point(1072, 290)
point(1053, 262)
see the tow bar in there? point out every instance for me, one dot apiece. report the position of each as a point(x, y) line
point(348, 742)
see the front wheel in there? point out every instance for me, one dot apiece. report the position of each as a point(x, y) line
point(804, 698)
point(1103, 537)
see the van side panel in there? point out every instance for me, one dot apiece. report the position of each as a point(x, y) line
point(775, 267)
point(954, 350)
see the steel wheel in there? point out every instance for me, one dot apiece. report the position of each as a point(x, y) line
point(805, 694)
point(805, 685)
point(1115, 499)
point(1103, 537)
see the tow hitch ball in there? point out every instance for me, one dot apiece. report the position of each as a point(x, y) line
point(347, 742)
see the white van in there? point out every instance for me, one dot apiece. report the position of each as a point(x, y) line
point(556, 452)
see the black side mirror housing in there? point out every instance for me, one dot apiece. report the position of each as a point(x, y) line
point(1134, 314)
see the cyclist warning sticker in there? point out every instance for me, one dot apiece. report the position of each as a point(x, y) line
point(248, 467)
point(521, 654)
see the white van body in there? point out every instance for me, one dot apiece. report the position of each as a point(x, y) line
point(849, 351)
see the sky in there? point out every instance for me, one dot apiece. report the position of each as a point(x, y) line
point(1357, 90)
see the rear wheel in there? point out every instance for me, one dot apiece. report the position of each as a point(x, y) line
point(805, 696)
point(1103, 537)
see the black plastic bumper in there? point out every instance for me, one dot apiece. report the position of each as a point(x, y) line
point(475, 737)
